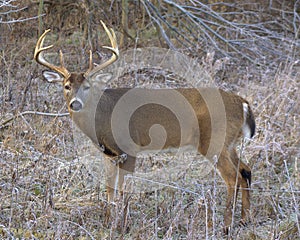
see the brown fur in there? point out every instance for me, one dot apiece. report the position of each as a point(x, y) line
point(217, 120)
point(235, 173)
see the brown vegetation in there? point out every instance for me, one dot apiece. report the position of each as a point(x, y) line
point(50, 189)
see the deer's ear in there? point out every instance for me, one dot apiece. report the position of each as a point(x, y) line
point(52, 76)
point(103, 77)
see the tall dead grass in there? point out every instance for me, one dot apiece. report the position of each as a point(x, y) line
point(48, 192)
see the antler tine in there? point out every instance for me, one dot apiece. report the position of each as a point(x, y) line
point(90, 64)
point(38, 56)
point(115, 52)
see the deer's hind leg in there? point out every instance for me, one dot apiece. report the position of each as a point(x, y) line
point(245, 173)
point(233, 179)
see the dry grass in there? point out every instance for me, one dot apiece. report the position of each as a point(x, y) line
point(50, 188)
point(52, 183)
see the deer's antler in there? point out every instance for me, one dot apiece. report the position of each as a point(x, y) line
point(38, 56)
point(115, 53)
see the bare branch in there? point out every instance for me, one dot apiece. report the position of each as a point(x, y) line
point(8, 7)
point(226, 31)
point(5, 122)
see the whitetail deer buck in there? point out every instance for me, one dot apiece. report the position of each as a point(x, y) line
point(215, 121)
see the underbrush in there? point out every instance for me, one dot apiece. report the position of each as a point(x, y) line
point(52, 183)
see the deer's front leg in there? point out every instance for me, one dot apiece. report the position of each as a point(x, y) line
point(115, 175)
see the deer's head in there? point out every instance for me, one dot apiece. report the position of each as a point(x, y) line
point(76, 84)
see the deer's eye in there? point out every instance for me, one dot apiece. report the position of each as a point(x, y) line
point(67, 87)
point(87, 87)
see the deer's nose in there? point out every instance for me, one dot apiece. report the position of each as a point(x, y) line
point(76, 105)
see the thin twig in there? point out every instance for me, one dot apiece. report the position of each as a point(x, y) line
point(2, 125)
point(295, 204)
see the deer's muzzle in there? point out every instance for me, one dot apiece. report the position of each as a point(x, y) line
point(76, 104)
